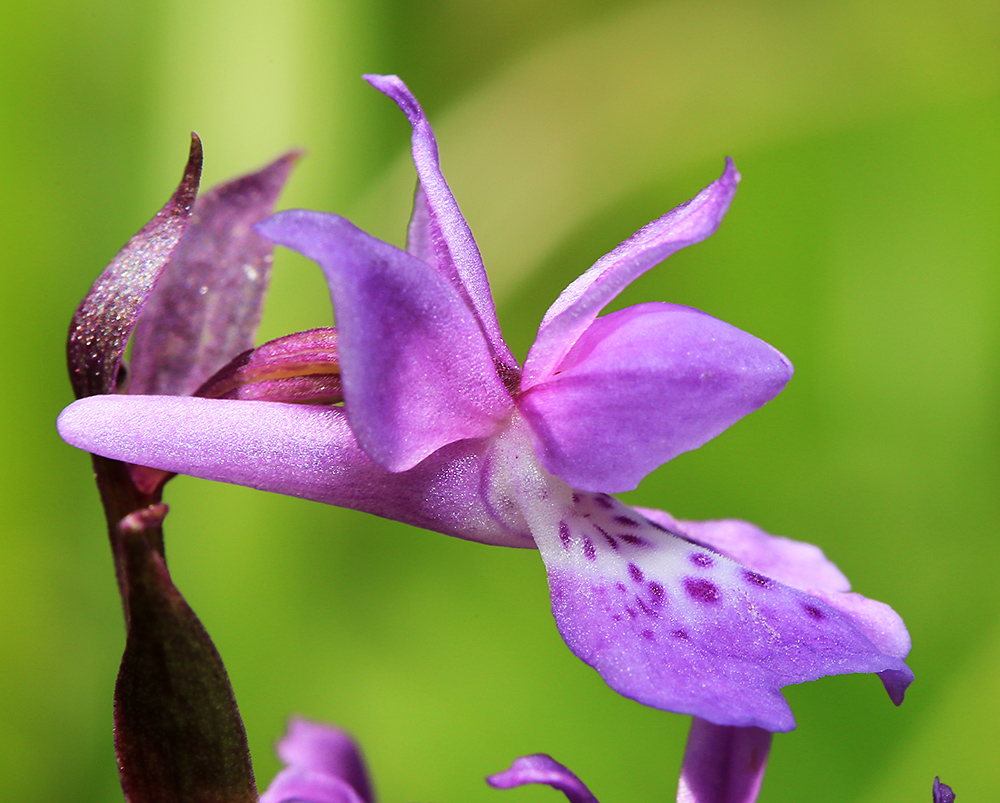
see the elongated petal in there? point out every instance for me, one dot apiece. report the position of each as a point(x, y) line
point(540, 768)
point(297, 785)
point(417, 371)
point(208, 300)
point(723, 764)
point(579, 304)
point(322, 749)
point(106, 316)
point(438, 231)
point(678, 626)
point(642, 385)
point(300, 450)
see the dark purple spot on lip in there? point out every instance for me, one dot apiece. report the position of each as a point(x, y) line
point(814, 612)
point(635, 572)
point(701, 559)
point(652, 614)
point(634, 540)
point(611, 541)
point(627, 521)
point(576, 498)
point(648, 634)
point(680, 634)
point(604, 501)
point(564, 534)
point(757, 579)
point(589, 550)
point(621, 587)
point(701, 590)
point(656, 593)
point(632, 614)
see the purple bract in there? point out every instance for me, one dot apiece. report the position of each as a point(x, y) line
point(441, 428)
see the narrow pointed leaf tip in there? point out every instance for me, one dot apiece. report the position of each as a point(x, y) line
point(105, 318)
point(208, 301)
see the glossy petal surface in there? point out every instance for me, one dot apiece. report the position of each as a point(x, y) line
point(580, 303)
point(300, 450)
point(641, 386)
point(417, 371)
point(540, 768)
point(207, 302)
point(438, 231)
point(723, 764)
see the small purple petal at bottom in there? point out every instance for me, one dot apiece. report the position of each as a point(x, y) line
point(942, 792)
point(540, 768)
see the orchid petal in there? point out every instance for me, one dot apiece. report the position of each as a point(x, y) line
point(723, 764)
point(438, 231)
point(641, 386)
point(417, 371)
point(323, 749)
point(297, 785)
point(676, 626)
point(208, 300)
point(300, 450)
point(579, 304)
point(105, 318)
point(794, 563)
point(540, 768)
point(803, 566)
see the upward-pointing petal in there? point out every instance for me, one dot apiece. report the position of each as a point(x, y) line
point(438, 231)
point(579, 304)
point(417, 370)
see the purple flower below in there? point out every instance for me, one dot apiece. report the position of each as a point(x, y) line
point(441, 428)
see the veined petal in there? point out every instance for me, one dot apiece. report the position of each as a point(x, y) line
point(579, 304)
point(641, 386)
point(417, 371)
point(208, 300)
point(300, 450)
point(438, 231)
point(540, 768)
point(723, 764)
point(674, 624)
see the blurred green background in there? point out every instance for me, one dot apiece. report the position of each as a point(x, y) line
point(863, 244)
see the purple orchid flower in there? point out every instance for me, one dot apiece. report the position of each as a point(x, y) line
point(441, 428)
